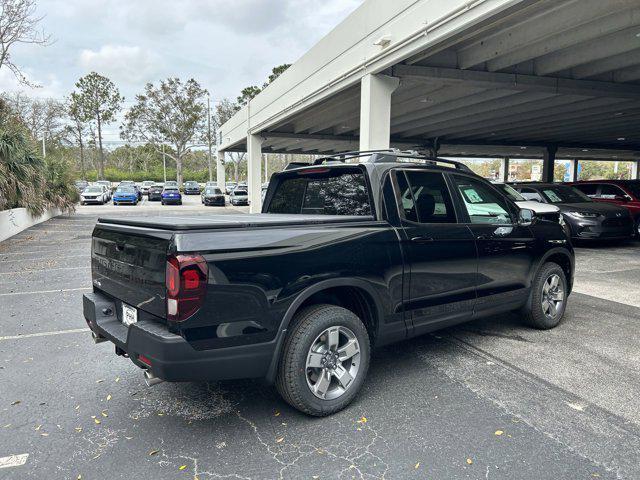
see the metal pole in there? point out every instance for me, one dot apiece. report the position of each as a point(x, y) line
point(164, 164)
point(209, 137)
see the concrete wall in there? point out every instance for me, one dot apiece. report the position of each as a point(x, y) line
point(16, 220)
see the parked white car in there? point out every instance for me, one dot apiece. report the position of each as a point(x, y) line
point(94, 194)
point(545, 211)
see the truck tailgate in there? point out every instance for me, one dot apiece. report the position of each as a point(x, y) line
point(130, 266)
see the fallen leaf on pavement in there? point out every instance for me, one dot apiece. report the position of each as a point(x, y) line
point(153, 452)
point(16, 402)
point(279, 440)
point(182, 467)
point(108, 397)
point(469, 461)
point(499, 432)
point(417, 465)
point(362, 420)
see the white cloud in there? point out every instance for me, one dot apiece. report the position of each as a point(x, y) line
point(48, 87)
point(132, 65)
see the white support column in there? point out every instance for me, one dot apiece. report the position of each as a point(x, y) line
point(573, 170)
point(254, 172)
point(635, 170)
point(220, 175)
point(375, 111)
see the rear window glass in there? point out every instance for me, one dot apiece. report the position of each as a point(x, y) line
point(329, 192)
point(125, 189)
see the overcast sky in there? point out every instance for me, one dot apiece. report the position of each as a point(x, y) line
point(224, 44)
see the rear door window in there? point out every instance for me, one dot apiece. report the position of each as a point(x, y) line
point(610, 192)
point(324, 191)
point(425, 197)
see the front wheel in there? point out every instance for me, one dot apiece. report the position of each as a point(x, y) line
point(325, 360)
point(548, 297)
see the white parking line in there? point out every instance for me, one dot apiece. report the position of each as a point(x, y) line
point(13, 460)
point(44, 270)
point(45, 291)
point(43, 258)
point(46, 334)
point(64, 248)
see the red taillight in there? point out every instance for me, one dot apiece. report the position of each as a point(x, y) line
point(186, 282)
point(144, 360)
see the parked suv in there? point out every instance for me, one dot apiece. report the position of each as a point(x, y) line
point(586, 219)
point(344, 258)
point(625, 193)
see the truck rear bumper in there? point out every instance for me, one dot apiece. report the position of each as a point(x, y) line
point(172, 358)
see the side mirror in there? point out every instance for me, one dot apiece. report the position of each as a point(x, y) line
point(526, 217)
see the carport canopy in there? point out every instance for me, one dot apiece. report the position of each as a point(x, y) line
point(550, 79)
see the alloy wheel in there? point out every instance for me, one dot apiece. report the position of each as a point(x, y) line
point(552, 296)
point(333, 363)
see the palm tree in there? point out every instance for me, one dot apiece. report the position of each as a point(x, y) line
point(26, 180)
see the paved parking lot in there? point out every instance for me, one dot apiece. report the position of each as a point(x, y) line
point(490, 399)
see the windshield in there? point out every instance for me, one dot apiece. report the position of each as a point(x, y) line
point(192, 184)
point(170, 190)
point(322, 191)
point(212, 191)
point(563, 194)
point(239, 191)
point(148, 183)
point(125, 189)
point(511, 192)
point(93, 190)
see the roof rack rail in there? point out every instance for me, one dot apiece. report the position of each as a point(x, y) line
point(343, 156)
point(390, 155)
point(418, 156)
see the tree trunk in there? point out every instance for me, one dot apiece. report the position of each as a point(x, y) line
point(236, 171)
point(179, 167)
point(101, 173)
point(82, 157)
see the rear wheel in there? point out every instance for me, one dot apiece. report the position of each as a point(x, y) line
point(548, 297)
point(325, 360)
point(637, 228)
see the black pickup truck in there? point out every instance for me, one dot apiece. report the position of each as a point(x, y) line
point(347, 255)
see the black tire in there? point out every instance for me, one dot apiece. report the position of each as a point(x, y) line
point(534, 312)
point(308, 325)
point(637, 228)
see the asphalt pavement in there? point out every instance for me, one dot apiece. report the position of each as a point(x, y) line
point(489, 399)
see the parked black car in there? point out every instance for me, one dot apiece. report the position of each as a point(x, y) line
point(191, 188)
point(585, 219)
point(155, 193)
point(213, 196)
point(345, 257)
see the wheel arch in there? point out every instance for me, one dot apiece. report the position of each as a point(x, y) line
point(563, 258)
point(354, 294)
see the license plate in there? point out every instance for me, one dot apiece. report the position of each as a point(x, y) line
point(129, 314)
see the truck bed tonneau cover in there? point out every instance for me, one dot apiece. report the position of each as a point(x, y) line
point(245, 220)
